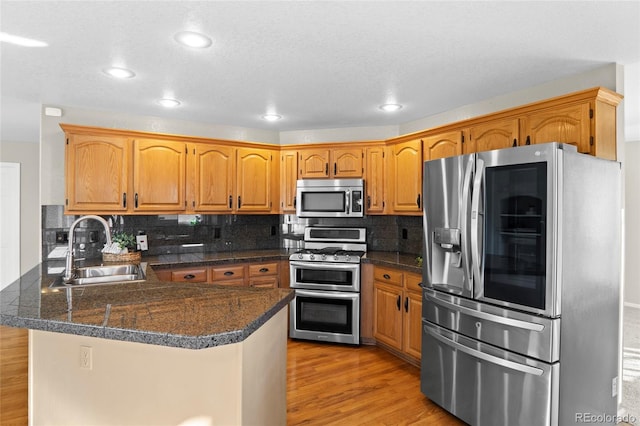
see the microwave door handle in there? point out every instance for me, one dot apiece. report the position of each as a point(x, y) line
point(347, 194)
point(464, 231)
point(476, 222)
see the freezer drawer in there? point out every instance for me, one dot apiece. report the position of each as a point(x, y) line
point(526, 334)
point(484, 385)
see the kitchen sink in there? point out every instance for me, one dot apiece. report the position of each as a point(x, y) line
point(103, 274)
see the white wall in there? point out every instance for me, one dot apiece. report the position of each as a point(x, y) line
point(28, 155)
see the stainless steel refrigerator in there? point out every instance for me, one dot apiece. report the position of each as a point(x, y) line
point(522, 286)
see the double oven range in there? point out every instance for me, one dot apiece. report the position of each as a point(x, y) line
point(326, 278)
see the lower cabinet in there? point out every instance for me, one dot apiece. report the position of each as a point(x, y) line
point(259, 274)
point(397, 317)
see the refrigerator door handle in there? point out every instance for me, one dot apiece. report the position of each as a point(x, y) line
point(464, 231)
point(475, 225)
point(484, 356)
point(486, 316)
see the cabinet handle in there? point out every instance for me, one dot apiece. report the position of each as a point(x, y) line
point(398, 302)
point(228, 273)
point(387, 276)
point(418, 200)
point(124, 200)
point(239, 202)
point(295, 200)
point(368, 201)
point(189, 277)
point(230, 201)
point(515, 142)
point(406, 304)
point(263, 270)
point(335, 168)
point(326, 169)
point(528, 142)
point(135, 200)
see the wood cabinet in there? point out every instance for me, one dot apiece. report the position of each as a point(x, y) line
point(159, 176)
point(493, 134)
point(214, 169)
point(374, 184)
point(330, 163)
point(97, 173)
point(111, 171)
point(442, 145)
point(569, 124)
point(264, 275)
point(398, 311)
point(288, 180)
point(404, 179)
point(254, 274)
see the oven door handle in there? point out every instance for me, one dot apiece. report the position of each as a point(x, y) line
point(327, 294)
point(322, 265)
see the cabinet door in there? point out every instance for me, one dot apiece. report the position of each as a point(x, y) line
point(254, 180)
point(412, 328)
point(406, 177)
point(495, 134)
point(374, 180)
point(569, 124)
point(441, 146)
point(288, 180)
point(214, 173)
point(97, 173)
point(159, 177)
point(347, 163)
point(314, 163)
point(387, 318)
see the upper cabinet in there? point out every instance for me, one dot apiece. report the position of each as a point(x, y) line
point(492, 134)
point(374, 185)
point(159, 175)
point(570, 124)
point(330, 163)
point(405, 177)
point(442, 145)
point(288, 180)
point(97, 173)
point(114, 171)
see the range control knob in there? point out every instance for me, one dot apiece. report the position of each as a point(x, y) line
point(347, 258)
point(324, 257)
point(335, 257)
point(312, 256)
point(299, 255)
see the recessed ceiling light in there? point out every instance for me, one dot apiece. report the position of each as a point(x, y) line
point(192, 39)
point(117, 72)
point(271, 117)
point(390, 107)
point(21, 41)
point(169, 103)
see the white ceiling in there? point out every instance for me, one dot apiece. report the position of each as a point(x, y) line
point(318, 64)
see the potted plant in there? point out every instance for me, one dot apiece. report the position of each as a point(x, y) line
point(122, 249)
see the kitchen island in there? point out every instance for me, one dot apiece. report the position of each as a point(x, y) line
point(153, 352)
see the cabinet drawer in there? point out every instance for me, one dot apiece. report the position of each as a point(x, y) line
point(198, 275)
point(412, 282)
point(265, 282)
point(387, 276)
point(233, 282)
point(227, 273)
point(262, 269)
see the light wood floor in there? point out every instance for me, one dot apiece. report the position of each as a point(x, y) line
point(330, 384)
point(327, 384)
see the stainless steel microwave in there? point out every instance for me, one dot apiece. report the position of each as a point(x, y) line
point(330, 198)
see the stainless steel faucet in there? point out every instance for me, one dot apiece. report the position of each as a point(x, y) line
point(68, 272)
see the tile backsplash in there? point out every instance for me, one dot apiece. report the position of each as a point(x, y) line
point(215, 233)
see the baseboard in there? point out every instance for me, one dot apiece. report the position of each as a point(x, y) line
point(631, 305)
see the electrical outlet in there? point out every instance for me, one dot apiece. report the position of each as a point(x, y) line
point(86, 358)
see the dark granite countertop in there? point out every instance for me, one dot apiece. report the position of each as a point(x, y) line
point(185, 315)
